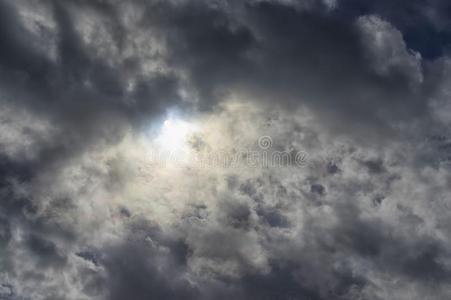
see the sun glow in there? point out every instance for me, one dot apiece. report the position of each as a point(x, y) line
point(174, 135)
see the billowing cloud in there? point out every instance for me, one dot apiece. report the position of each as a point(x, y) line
point(219, 149)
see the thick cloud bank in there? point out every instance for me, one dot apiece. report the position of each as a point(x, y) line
point(308, 148)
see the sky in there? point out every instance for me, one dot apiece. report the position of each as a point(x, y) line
point(221, 149)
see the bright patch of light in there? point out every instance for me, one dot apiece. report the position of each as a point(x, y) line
point(174, 135)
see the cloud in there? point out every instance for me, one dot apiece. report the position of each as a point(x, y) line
point(87, 211)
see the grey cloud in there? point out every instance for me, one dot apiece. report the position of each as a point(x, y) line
point(275, 52)
point(82, 95)
point(148, 265)
point(84, 215)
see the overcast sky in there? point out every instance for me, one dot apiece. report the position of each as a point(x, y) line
point(220, 149)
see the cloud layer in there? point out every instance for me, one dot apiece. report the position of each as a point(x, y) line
point(360, 88)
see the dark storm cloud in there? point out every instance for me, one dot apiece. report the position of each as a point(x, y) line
point(84, 99)
point(82, 94)
point(45, 250)
point(268, 51)
point(289, 56)
point(352, 230)
point(146, 265)
point(417, 259)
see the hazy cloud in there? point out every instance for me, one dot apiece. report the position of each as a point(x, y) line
point(88, 211)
